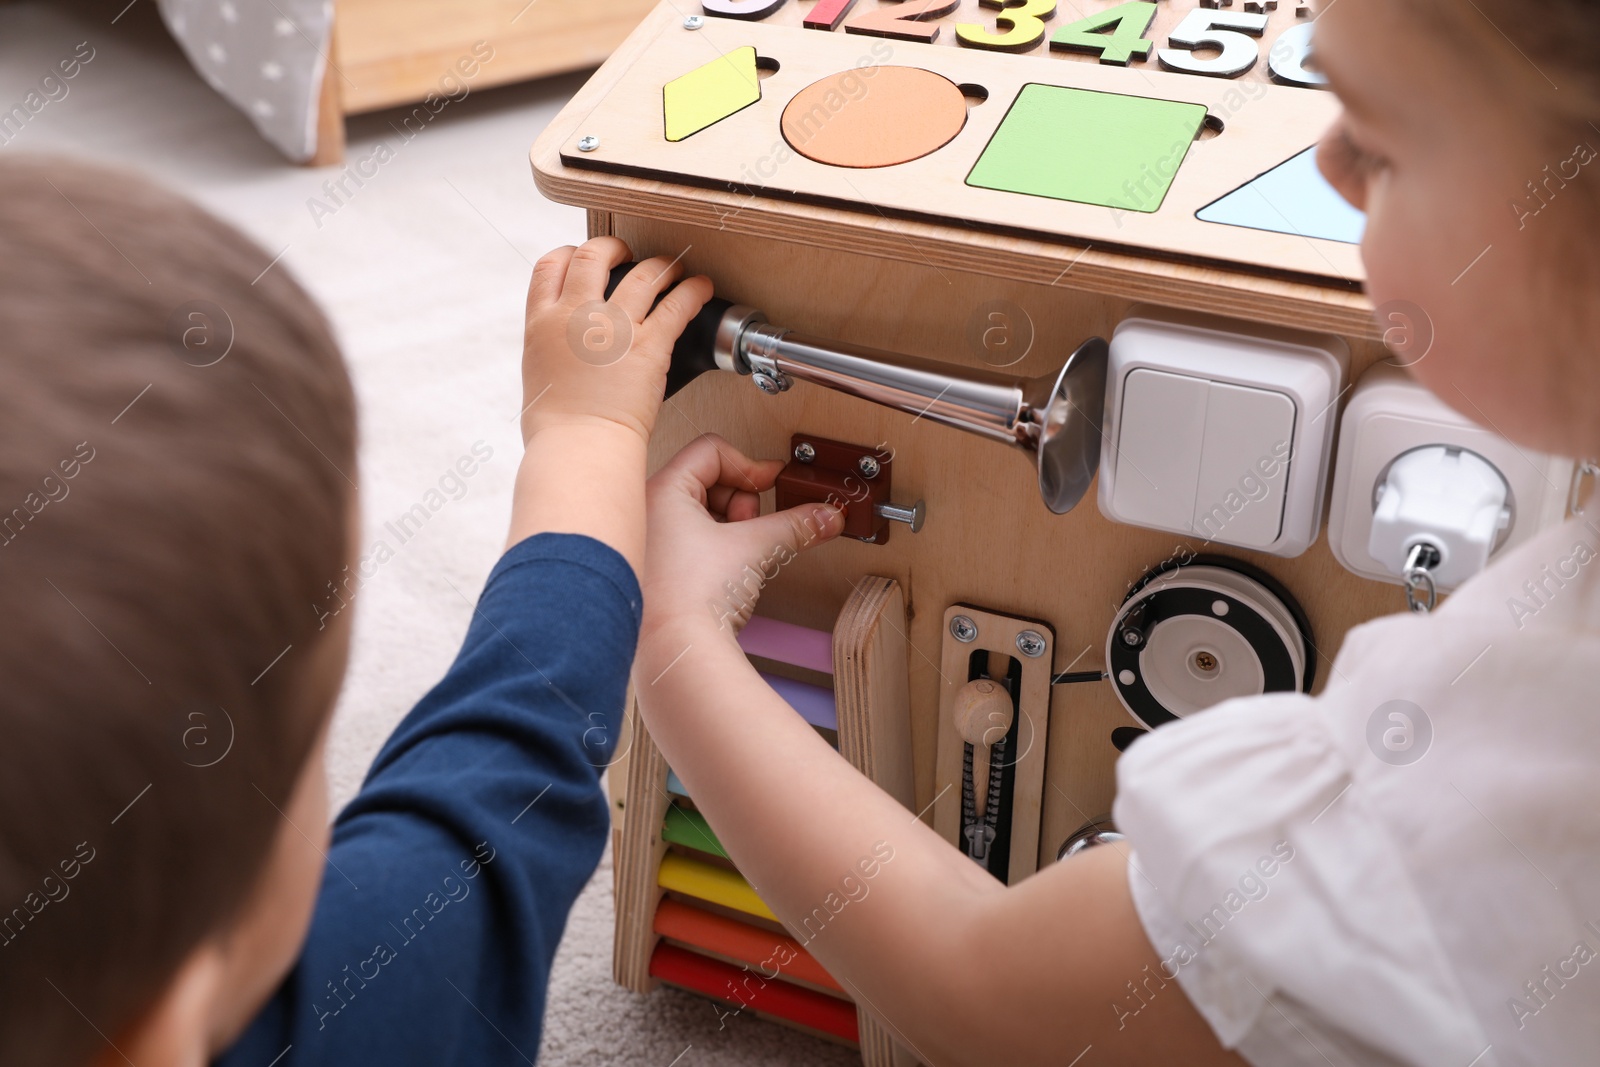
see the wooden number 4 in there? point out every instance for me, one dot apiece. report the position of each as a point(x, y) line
point(1126, 41)
point(1024, 22)
point(906, 21)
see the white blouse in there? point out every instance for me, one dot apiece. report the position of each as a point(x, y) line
point(1405, 869)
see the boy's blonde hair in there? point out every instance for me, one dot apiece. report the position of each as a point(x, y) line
point(177, 438)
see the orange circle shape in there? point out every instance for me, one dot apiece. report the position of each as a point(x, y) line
point(874, 116)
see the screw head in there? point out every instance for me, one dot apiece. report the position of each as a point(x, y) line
point(588, 143)
point(868, 466)
point(1205, 662)
point(1031, 643)
point(767, 384)
point(805, 452)
point(1132, 638)
point(963, 629)
point(693, 22)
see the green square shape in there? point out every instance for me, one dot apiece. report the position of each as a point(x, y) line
point(1090, 147)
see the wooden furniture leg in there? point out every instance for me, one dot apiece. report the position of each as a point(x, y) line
point(330, 113)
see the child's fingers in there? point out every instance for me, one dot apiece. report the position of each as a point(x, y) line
point(798, 528)
point(732, 504)
point(644, 282)
point(679, 306)
point(589, 269)
point(711, 461)
point(549, 274)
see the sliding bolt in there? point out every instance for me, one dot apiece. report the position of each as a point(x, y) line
point(911, 516)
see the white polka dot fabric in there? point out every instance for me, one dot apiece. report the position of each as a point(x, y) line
point(267, 59)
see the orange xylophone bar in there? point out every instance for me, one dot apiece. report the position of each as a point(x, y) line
point(761, 949)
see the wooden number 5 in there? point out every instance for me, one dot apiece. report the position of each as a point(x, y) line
point(1224, 31)
point(908, 20)
point(1024, 20)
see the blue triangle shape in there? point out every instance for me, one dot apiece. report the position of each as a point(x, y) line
point(1292, 197)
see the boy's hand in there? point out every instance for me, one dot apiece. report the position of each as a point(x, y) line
point(586, 359)
point(710, 551)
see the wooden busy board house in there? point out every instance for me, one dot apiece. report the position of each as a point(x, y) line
point(987, 188)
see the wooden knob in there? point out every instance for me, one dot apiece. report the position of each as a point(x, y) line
point(983, 712)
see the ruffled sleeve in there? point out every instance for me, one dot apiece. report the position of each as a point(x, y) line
point(1277, 899)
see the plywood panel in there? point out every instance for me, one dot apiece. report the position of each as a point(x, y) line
point(988, 539)
point(1079, 265)
point(747, 152)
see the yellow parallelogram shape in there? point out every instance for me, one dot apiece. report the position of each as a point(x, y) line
point(715, 884)
point(709, 94)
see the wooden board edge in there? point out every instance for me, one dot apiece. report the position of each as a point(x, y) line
point(871, 656)
point(872, 686)
point(637, 860)
point(1093, 270)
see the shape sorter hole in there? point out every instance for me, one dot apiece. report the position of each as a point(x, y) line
point(1210, 126)
point(766, 67)
point(975, 94)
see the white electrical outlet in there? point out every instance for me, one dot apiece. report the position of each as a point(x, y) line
point(1389, 417)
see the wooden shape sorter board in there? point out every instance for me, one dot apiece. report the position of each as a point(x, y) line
point(747, 153)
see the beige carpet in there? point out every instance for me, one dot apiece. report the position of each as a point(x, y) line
point(423, 272)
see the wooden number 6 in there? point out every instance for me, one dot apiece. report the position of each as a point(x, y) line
point(1024, 20)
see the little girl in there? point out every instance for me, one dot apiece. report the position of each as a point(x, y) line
point(1288, 897)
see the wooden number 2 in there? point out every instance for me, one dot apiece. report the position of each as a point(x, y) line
point(908, 21)
point(1127, 23)
point(1024, 20)
point(741, 9)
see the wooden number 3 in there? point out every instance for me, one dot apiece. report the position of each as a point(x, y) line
point(1024, 19)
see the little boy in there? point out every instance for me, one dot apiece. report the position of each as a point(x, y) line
point(177, 455)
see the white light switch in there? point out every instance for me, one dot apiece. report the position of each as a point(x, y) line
point(1159, 481)
point(1243, 475)
point(1219, 430)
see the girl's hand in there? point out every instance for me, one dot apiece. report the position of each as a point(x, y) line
point(588, 360)
point(710, 551)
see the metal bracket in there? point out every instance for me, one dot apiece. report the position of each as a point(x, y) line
point(849, 476)
point(993, 638)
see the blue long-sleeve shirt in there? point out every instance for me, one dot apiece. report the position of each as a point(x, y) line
point(451, 873)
